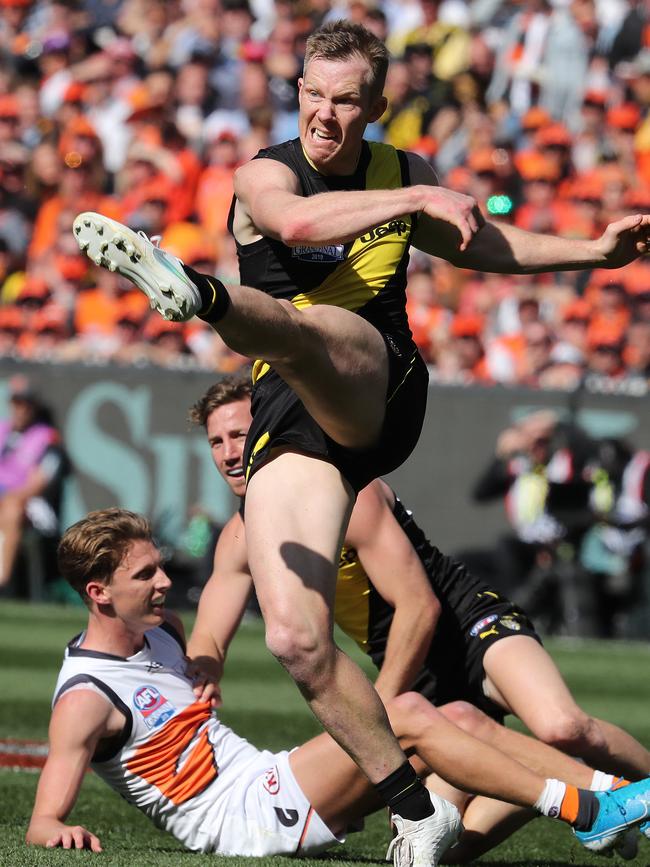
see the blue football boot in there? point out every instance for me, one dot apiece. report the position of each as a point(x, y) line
point(618, 811)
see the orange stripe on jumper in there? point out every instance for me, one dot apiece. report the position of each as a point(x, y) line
point(156, 761)
point(305, 829)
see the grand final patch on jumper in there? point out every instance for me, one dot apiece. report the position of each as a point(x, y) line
point(153, 707)
point(481, 624)
point(510, 623)
point(328, 253)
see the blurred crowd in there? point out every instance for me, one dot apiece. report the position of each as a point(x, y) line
point(142, 109)
point(576, 555)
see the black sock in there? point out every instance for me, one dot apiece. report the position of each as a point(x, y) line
point(403, 792)
point(588, 808)
point(214, 295)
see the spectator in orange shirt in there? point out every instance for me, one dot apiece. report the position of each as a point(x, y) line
point(538, 344)
point(539, 211)
point(466, 353)
point(78, 187)
point(425, 315)
point(608, 298)
point(605, 350)
point(214, 191)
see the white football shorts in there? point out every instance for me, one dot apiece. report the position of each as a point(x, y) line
point(266, 813)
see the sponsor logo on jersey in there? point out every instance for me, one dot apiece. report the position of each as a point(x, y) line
point(491, 631)
point(328, 253)
point(271, 781)
point(481, 624)
point(397, 227)
point(153, 707)
point(510, 623)
point(154, 666)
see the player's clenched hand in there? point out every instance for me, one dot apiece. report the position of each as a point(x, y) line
point(205, 673)
point(74, 837)
point(625, 240)
point(456, 208)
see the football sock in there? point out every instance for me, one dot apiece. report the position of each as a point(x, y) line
point(602, 782)
point(577, 807)
point(214, 295)
point(404, 794)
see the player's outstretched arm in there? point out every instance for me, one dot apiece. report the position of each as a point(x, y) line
point(79, 720)
point(397, 573)
point(268, 192)
point(505, 249)
point(222, 604)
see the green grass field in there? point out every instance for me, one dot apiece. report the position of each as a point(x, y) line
point(263, 705)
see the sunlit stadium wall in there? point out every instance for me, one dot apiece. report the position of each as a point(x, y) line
point(130, 443)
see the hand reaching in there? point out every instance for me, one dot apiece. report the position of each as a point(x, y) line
point(456, 208)
point(205, 673)
point(625, 240)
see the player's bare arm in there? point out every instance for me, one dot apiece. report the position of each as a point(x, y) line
point(81, 719)
point(223, 602)
point(396, 571)
point(506, 249)
point(267, 191)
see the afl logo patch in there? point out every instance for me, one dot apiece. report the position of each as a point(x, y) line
point(481, 624)
point(153, 707)
point(271, 781)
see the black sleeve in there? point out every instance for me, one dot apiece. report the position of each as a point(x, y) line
point(494, 482)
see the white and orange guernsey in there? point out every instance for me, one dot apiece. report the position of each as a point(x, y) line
point(175, 761)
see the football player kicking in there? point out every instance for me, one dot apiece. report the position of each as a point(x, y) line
point(125, 705)
point(427, 623)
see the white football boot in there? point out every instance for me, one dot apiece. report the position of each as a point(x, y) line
point(423, 843)
point(158, 274)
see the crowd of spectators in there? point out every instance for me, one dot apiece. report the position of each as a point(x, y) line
point(142, 109)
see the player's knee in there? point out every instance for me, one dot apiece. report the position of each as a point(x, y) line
point(412, 714)
point(300, 649)
point(569, 732)
point(467, 717)
point(408, 703)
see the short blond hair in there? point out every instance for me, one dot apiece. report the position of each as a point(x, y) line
point(340, 40)
point(93, 548)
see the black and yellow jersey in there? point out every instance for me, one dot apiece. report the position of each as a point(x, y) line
point(367, 275)
point(472, 616)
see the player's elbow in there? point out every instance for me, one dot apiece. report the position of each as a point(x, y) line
point(296, 230)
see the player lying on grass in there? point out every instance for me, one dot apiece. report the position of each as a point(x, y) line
point(125, 705)
point(426, 622)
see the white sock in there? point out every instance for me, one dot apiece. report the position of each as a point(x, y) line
point(550, 801)
point(602, 782)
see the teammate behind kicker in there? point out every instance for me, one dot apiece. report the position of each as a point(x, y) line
point(124, 704)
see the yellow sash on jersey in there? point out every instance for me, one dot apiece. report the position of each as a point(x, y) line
point(351, 608)
point(372, 259)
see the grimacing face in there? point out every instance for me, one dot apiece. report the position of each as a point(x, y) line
point(336, 105)
point(226, 427)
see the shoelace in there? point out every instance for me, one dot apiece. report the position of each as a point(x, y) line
point(400, 850)
point(154, 239)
